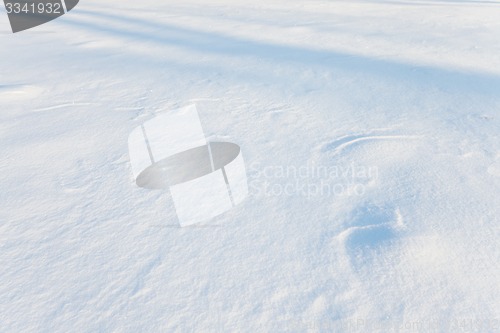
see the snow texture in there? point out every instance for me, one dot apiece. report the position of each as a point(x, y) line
point(370, 133)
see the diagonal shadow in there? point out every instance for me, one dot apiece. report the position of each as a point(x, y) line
point(203, 43)
point(437, 3)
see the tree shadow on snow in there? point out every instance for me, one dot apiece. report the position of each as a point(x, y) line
point(210, 43)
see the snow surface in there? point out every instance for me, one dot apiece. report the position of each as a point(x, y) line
point(398, 100)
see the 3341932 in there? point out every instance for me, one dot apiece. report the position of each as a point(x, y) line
point(33, 8)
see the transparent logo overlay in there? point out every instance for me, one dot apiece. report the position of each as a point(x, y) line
point(205, 179)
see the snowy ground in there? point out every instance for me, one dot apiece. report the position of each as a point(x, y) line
point(398, 100)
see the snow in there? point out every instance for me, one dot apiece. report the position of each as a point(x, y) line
point(370, 133)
